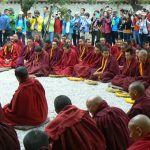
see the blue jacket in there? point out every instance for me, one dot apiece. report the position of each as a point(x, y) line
point(4, 22)
point(21, 24)
point(115, 23)
point(64, 26)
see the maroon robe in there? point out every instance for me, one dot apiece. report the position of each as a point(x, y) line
point(115, 51)
point(74, 129)
point(28, 106)
point(145, 79)
point(141, 106)
point(66, 64)
point(141, 144)
point(25, 55)
point(113, 123)
point(85, 68)
point(148, 92)
point(130, 71)
point(121, 58)
point(111, 70)
point(19, 46)
point(55, 58)
point(38, 66)
point(12, 55)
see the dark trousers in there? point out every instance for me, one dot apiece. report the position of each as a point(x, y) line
point(95, 35)
point(21, 36)
point(108, 38)
point(75, 37)
point(114, 36)
point(3, 38)
point(143, 39)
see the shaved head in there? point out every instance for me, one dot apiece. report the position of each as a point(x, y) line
point(142, 56)
point(136, 89)
point(93, 104)
point(139, 126)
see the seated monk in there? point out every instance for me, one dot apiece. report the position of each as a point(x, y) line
point(8, 136)
point(90, 63)
point(112, 122)
point(67, 62)
point(139, 128)
point(84, 48)
point(47, 46)
point(55, 55)
point(17, 43)
point(27, 52)
point(129, 72)
point(73, 128)
point(62, 41)
point(28, 106)
point(68, 41)
point(115, 50)
point(38, 64)
point(36, 140)
point(109, 67)
point(142, 102)
point(8, 55)
point(144, 68)
point(38, 40)
point(121, 56)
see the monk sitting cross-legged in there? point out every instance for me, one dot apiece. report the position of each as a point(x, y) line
point(90, 63)
point(139, 128)
point(142, 102)
point(38, 64)
point(8, 55)
point(111, 121)
point(28, 106)
point(108, 69)
point(55, 55)
point(67, 62)
point(129, 72)
point(73, 128)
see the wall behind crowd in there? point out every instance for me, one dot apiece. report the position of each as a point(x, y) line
point(73, 7)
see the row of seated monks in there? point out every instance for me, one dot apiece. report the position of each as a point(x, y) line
point(107, 128)
point(120, 64)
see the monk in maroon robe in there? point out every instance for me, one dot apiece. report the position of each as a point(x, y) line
point(142, 102)
point(129, 72)
point(67, 62)
point(8, 55)
point(28, 106)
point(17, 42)
point(55, 55)
point(27, 52)
point(139, 127)
point(112, 122)
point(115, 50)
point(90, 63)
point(38, 64)
point(73, 128)
point(144, 68)
point(109, 67)
point(47, 46)
point(38, 40)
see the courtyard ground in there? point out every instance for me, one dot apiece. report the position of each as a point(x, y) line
point(78, 92)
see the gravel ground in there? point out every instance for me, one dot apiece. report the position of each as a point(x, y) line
point(79, 92)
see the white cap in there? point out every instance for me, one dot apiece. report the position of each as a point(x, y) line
point(29, 12)
point(21, 13)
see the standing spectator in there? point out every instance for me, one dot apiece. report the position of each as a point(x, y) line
point(49, 27)
point(12, 18)
point(45, 14)
point(95, 29)
point(136, 27)
point(106, 27)
point(82, 11)
point(58, 24)
point(85, 25)
point(36, 23)
point(115, 25)
point(21, 27)
point(143, 29)
point(76, 29)
point(127, 27)
point(28, 23)
point(4, 27)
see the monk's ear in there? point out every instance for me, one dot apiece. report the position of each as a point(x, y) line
point(139, 131)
